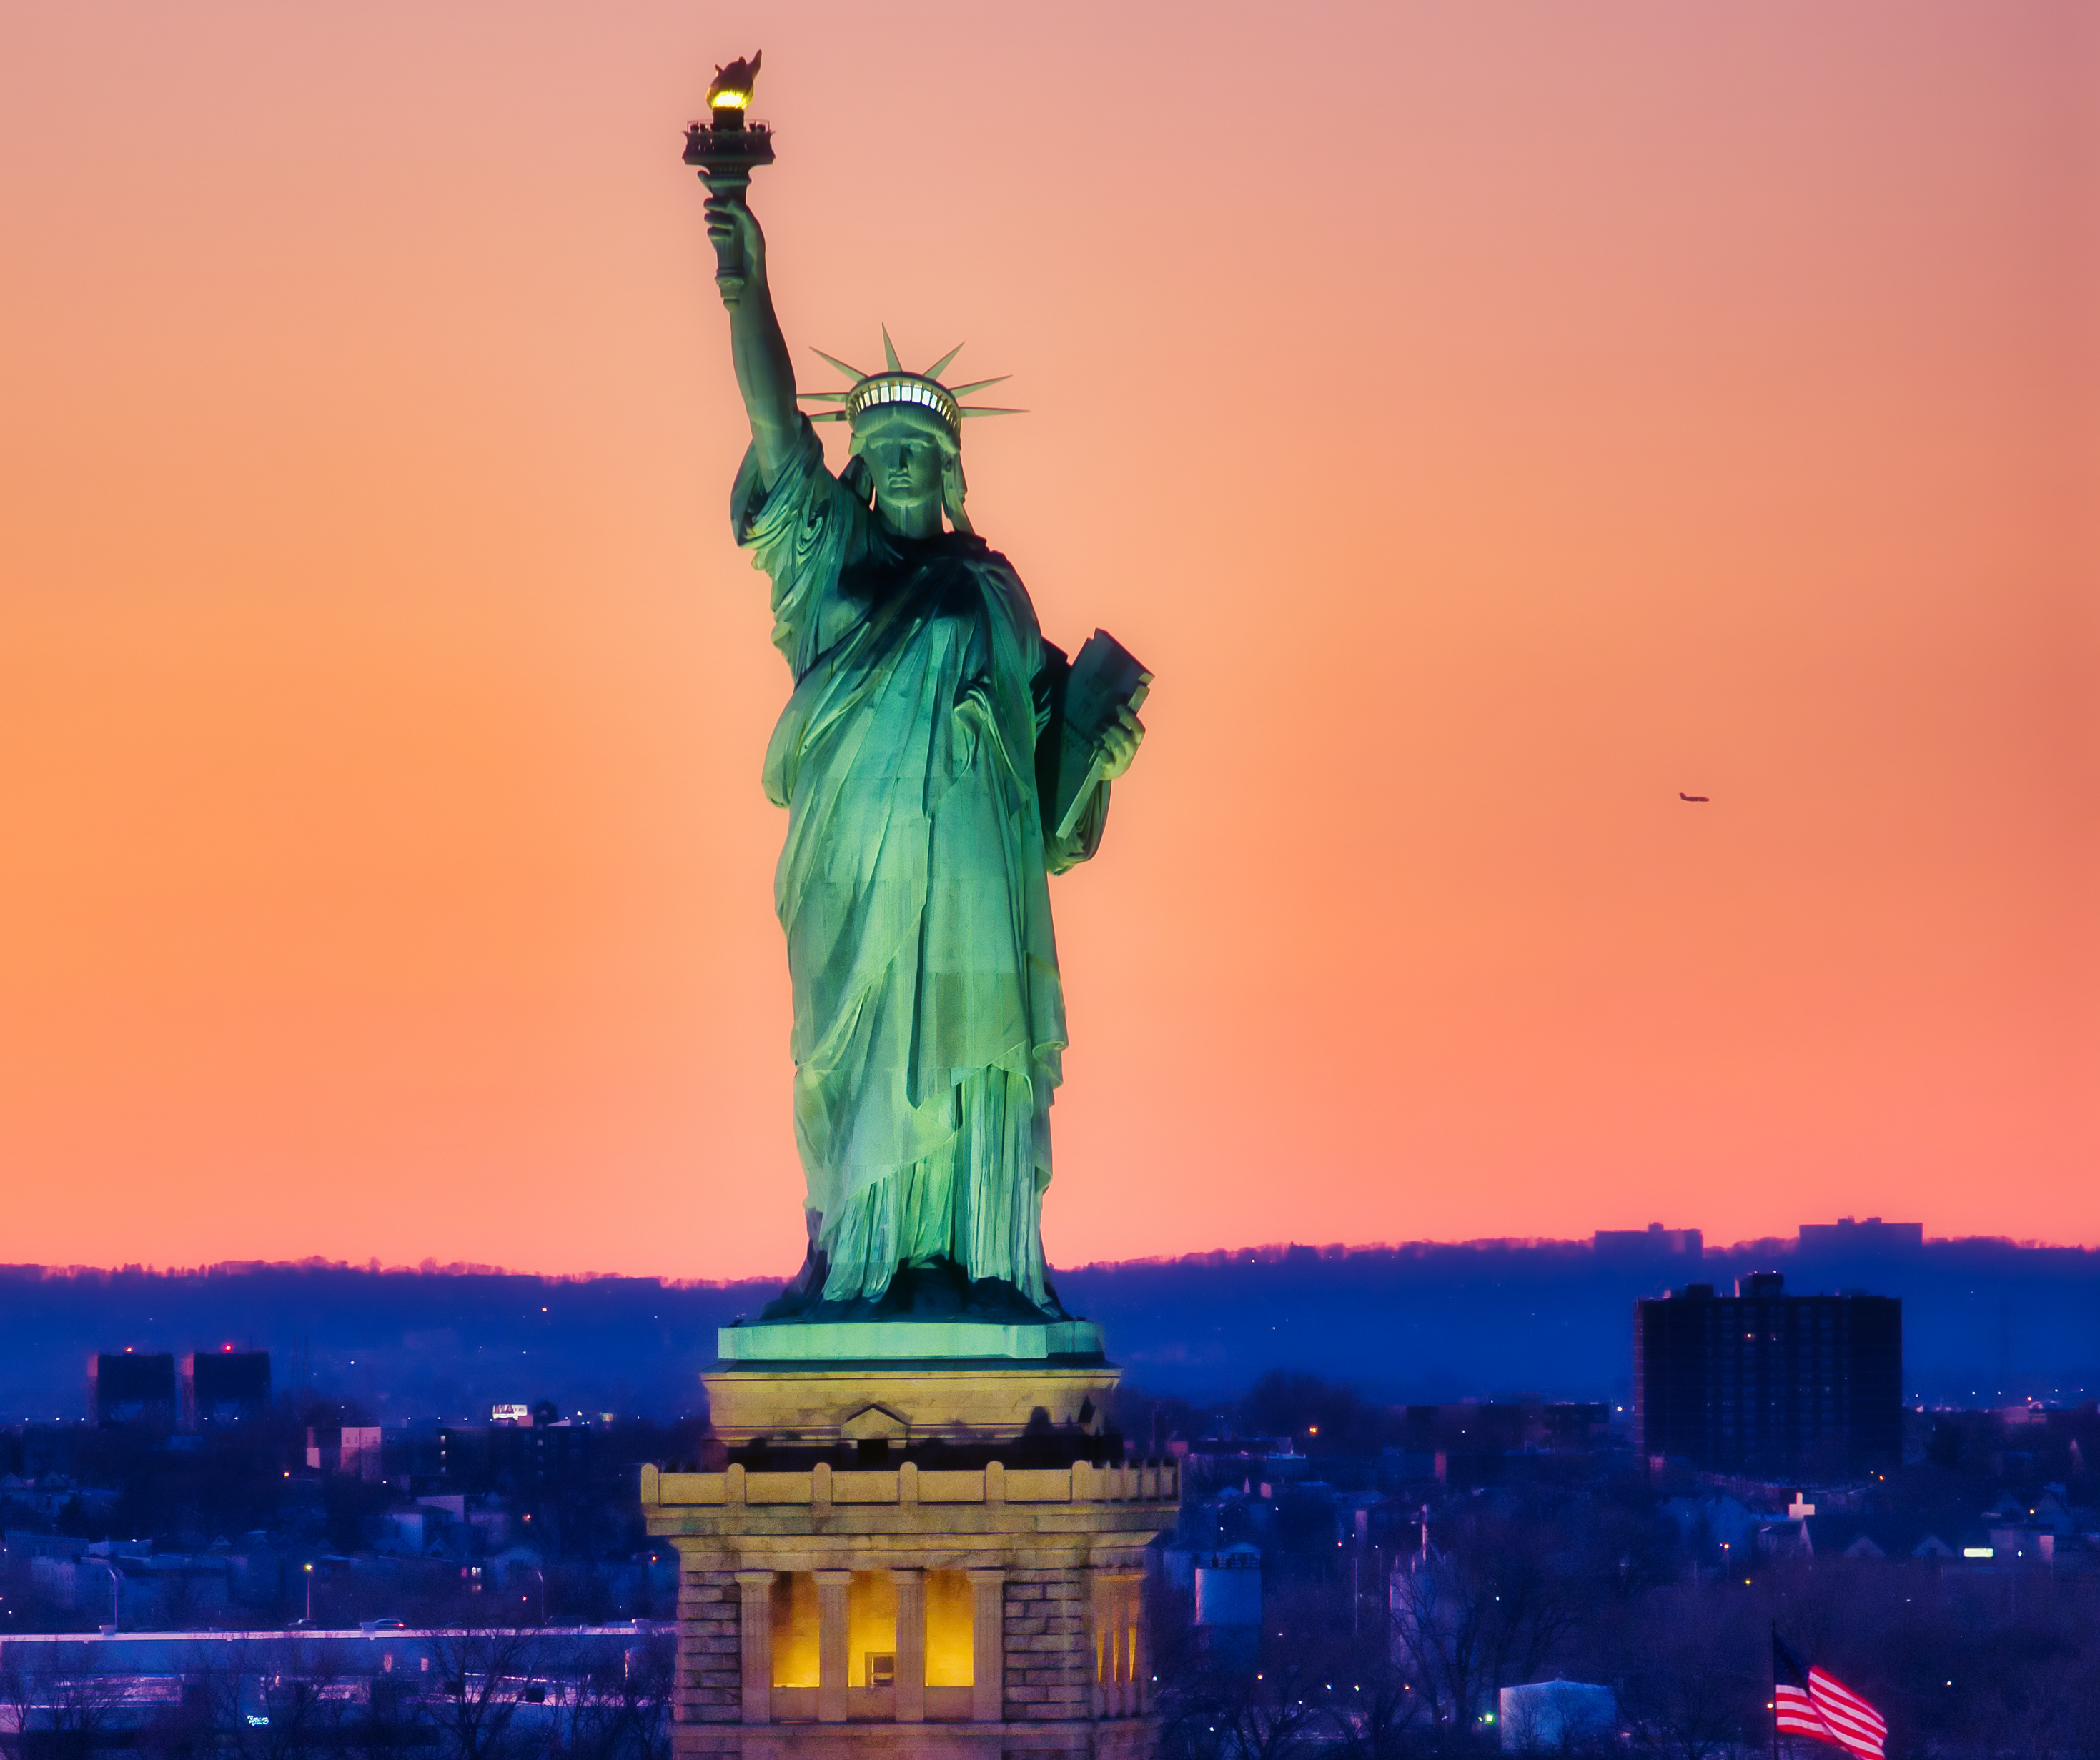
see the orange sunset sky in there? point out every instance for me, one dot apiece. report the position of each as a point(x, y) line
point(1488, 419)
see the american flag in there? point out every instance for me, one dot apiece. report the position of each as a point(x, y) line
point(1805, 1701)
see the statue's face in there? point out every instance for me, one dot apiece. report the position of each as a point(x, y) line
point(907, 458)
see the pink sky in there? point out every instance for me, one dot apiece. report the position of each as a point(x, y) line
point(1488, 420)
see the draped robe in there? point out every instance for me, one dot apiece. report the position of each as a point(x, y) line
point(930, 1020)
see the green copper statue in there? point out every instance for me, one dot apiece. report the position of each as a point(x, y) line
point(919, 759)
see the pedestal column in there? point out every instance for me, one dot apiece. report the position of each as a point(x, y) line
point(755, 1644)
point(832, 1588)
point(1103, 1621)
point(911, 1645)
point(988, 1646)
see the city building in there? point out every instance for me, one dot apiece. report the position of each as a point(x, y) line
point(1556, 1716)
point(1873, 1238)
point(1763, 1382)
point(539, 1452)
point(1518, 1425)
point(1654, 1244)
point(355, 1450)
point(1227, 1585)
point(225, 1386)
point(132, 1387)
point(380, 1687)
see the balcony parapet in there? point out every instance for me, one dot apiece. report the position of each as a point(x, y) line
point(823, 1489)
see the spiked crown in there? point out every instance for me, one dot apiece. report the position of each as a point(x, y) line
point(895, 385)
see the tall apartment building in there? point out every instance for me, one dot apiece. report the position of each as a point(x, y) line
point(132, 1387)
point(226, 1386)
point(1762, 1382)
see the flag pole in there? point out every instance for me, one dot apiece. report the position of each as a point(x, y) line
point(1774, 1694)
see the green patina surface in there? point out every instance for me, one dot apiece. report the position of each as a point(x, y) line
point(906, 1341)
point(913, 885)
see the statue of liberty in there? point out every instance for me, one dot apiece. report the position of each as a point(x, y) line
point(924, 822)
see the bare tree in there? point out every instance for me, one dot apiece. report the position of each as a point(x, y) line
point(302, 1691)
point(478, 1679)
point(1373, 1711)
point(1487, 1612)
point(611, 1710)
point(1688, 1667)
point(1269, 1715)
point(62, 1715)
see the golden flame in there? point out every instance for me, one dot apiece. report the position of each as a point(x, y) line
point(730, 88)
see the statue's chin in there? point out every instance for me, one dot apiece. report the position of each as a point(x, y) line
point(920, 519)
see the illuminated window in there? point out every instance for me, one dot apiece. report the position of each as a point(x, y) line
point(795, 1629)
point(1116, 1635)
point(950, 1630)
point(872, 1628)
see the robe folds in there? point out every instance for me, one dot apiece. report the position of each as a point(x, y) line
point(930, 1020)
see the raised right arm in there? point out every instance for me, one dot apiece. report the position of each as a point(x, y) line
point(764, 373)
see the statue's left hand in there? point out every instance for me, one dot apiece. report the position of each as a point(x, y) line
point(1120, 743)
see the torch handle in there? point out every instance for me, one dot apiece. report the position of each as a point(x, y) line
point(731, 269)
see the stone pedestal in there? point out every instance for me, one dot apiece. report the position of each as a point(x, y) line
point(875, 1573)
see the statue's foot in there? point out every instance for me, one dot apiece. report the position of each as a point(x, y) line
point(804, 1291)
point(995, 1299)
point(938, 1290)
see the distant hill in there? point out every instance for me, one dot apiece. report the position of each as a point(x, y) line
point(1986, 1321)
point(440, 1343)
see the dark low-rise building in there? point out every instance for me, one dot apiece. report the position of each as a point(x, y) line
point(545, 1453)
point(1763, 1382)
point(1872, 1239)
point(1652, 1245)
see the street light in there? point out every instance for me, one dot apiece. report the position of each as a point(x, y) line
point(309, 1595)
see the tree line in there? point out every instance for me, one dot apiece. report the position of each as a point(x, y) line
point(490, 1694)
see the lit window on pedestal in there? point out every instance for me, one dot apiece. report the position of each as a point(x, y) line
point(795, 1629)
point(870, 1626)
point(950, 1630)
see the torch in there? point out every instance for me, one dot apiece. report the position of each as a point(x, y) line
point(726, 150)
